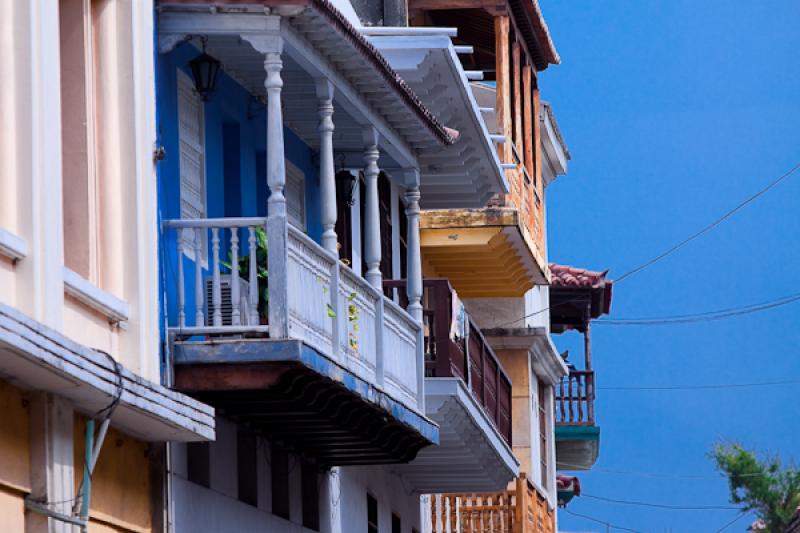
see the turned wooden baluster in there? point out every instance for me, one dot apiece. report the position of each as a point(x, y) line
point(236, 319)
point(199, 316)
point(253, 281)
point(216, 289)
point(181, 281)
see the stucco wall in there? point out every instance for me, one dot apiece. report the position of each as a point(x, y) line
point(121, 489)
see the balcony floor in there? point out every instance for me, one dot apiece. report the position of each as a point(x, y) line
point(471, 456)
point(577, 446)
point(292, 394)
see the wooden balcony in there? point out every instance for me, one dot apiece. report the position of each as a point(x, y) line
point(299, 347)
point(575, 399)
point(521, 510)
point(463, 354)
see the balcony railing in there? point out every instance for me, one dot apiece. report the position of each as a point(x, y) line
point(458, 349)
point(321, 301)
point(575, 399)
point(522, 510)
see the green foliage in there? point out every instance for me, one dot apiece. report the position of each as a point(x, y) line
point(261, 270)
point(765, 486)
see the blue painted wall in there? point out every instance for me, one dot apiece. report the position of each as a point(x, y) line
point(235, 151)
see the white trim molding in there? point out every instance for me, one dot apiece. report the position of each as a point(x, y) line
point(84, 291)
point(34, 356)
point(12, 246)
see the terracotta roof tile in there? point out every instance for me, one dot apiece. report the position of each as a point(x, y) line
point(568, 276)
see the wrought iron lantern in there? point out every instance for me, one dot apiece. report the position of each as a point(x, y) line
point(204, 71)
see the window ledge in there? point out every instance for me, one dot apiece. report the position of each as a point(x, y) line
point(12, 246)
point(84, 291)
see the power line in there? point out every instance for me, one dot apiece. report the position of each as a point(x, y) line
point(680, 244)
point(709, 227)
point(705, 387)
point(603, 522)
point(662, 505)
point(729, 524)
point(567, 466)
point(702, 317)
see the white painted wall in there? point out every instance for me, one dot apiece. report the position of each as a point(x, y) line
point(343, 494)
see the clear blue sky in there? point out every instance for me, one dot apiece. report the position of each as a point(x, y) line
point(675, 111)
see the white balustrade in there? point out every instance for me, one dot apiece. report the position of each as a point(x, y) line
point(225, 312)
point(328, 307)
point(400, 346)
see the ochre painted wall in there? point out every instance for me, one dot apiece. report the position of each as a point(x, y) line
point(121, 488)
point(14, 458)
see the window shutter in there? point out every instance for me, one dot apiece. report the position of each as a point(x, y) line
point(295, 193)
point(191, 138)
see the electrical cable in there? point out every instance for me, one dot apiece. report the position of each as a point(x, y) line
point(704, 387)
point(567, 466)
point(603, 522)
point(729, 524)
point(701, 317)
point(709, 227)
point(678, 245)
point(661, 505)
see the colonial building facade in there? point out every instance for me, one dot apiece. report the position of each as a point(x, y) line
point(301, 242)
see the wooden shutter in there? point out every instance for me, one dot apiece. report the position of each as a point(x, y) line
point(295, 192)
point(191, 137)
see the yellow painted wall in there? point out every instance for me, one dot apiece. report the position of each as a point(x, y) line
point(121, 487)
point(14, 458)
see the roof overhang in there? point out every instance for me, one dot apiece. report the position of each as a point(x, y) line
point(546, 361)
point(291, 393)
point(483, 252)
point(35, 357)
point(471, 456)
point(318, 43)
point(468, 172)
point(553, 146)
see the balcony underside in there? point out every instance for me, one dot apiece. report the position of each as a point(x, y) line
point(483, 252)
point(577, 447)
point(471, 456)
point(295, 396)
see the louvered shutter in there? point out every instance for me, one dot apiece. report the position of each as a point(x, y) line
point(191, 138)
point(295, 193)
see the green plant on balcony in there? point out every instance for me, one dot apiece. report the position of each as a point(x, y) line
point(262, 274)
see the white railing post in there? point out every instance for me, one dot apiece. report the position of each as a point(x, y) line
point(252, 297)
point(181, 281)
point(414, 285)
point(216, 290)
point(277, 225)
point(235, 316)
point(379, 341)
point(199, 317)
point(372, 228)
point(327, 179)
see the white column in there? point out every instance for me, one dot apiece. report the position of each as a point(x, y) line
point(270, 43)
point(327, 178)
point(372, 227)
point(414, 266)
point(52, 461)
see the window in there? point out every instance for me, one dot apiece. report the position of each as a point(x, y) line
point(81, 208)
point(280, 482)
point(372, 514)
point(397, 526)
point(544, 451)
point(247, 472)
point(310, 490)
point(198, 463)
point(295, 192)
point(191, 137)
